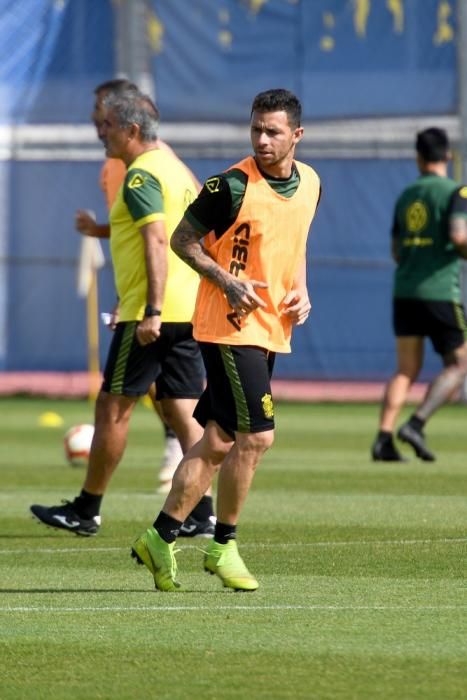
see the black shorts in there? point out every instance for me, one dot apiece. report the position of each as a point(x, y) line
point(238, 392)
point(443, 322)
point(173, 362)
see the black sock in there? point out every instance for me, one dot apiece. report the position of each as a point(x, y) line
point(416, 423)
point(87, 505)
point(168, 432)
point(385, 435)
point(223, 533)
point(167, 527)
point(203, 510)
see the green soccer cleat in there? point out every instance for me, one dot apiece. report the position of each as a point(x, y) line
point(225, 561)
point(159, 557)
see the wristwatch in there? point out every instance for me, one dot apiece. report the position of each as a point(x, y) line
point(151, 311)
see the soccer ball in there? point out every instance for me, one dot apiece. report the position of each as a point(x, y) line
point(77, 442)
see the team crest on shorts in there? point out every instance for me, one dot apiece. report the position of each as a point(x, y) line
point(268, 406)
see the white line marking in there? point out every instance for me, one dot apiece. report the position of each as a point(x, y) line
point(65, 550)
point(210, 608)
point(246, 545)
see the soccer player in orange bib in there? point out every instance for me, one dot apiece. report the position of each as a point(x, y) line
point(246, 236)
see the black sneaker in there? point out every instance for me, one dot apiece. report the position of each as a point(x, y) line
point(65, 518)
point(194, 528)
point(384, 450)
point(416, 439)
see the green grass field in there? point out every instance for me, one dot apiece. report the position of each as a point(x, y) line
point(362, 570)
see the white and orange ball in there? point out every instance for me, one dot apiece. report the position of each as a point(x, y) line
point(77, 443)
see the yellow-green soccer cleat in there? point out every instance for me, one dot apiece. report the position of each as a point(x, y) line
point(225, 561)
point(159, 557)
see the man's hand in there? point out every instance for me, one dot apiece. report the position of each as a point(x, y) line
point(85, 223)
point(114, 317)
point(242, 297)
point(297, 306)
point(148, 330)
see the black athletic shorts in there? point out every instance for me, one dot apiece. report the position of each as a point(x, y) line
point(173, 361)
point(443, 322)
point(238, 392)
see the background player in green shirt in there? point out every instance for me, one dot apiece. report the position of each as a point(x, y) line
point(429, 236)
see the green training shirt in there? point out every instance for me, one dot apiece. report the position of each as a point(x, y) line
point(429, 265)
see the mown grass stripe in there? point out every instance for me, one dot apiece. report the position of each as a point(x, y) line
point(255, 545)
point(242, 608)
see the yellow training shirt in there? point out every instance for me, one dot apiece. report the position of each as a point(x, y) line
point(157, 187)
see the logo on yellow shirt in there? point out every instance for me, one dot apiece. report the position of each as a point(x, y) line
point(136, 181)
point(268, 406)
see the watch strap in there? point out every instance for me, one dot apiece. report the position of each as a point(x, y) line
point(151, 311)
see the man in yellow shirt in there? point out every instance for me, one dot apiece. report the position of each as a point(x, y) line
point(153, 339)
point(246, 236)
point(112, 176)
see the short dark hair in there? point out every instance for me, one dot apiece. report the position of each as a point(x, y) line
point(279, 100)
point(432, 145)
point(132, 107)
point(115, 85)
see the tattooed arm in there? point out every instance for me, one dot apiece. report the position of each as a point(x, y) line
point(241, 295)
point(186, 243)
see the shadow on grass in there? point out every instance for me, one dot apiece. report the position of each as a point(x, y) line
point(39, 536)
point(74, 590)
point(164, 595)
